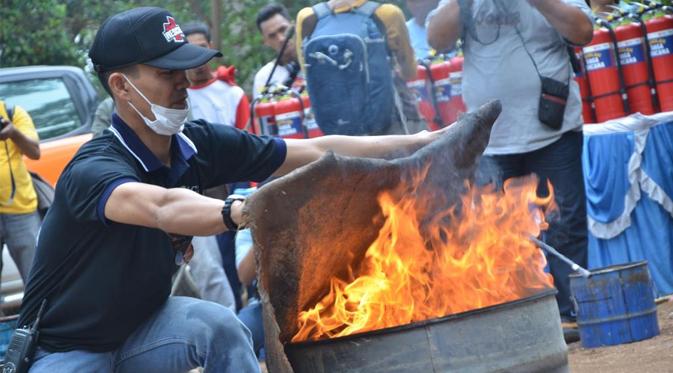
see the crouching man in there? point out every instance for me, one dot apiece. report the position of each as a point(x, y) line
point(128, 203)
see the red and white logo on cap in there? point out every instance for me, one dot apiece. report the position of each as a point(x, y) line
point(172, 31)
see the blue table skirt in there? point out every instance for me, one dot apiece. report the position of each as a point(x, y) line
point(628, 169)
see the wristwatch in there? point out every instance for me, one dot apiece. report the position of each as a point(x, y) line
point(226, 211)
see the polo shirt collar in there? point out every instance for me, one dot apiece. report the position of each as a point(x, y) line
point(185, 147)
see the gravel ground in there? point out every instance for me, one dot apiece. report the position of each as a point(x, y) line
point(651, 355)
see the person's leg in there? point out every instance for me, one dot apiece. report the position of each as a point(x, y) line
point(561, 163)
point(251, 317)
point(21, 238)
point(2, 241)
point(208, 272)
point(187, 333)
point(227, 244)
point(71, 361)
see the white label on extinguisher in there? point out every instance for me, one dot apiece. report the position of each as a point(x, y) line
point(443, 89)
point(599, 56)
point(456, 79)
point(419, 88)
point(309, 119)
point(288, 123)
point(631, 51)
point(661, 42)
point(416, 84)
point(287, 116)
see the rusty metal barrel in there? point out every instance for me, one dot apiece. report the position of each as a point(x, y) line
point(520, 336)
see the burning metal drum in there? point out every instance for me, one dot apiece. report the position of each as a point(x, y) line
point(520, 336)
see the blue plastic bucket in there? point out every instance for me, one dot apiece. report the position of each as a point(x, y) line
point(7, 326)
point(615, 305)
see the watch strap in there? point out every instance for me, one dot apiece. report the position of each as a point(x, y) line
point(226, 211)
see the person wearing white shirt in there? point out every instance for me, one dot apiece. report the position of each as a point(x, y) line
point(419, 9)
point(273, 22)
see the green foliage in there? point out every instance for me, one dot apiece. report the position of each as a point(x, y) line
point(32, 33)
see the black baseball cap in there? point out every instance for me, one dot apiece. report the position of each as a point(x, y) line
point(149, 36)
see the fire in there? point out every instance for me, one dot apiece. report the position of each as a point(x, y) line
point(409, 274)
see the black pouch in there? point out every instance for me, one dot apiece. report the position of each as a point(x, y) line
point(553, 100)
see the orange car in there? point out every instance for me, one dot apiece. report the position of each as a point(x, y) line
point(62, 102)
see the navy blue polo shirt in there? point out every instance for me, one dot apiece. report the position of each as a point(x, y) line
point(102, 279)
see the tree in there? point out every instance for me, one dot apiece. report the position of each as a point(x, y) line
point(32, 33)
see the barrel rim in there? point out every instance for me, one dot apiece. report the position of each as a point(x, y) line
point(9, 318)
point(419, 324)
point(612, 268)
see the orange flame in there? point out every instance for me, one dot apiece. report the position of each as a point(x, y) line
point(482, 258)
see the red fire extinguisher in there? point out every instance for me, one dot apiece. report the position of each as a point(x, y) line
point(585, 90)
point(602, 67)
point(456, 105)
point(421, 88)
point(634, 64)
point(289, 114)
point(660, 37)
point(263, 111)
point(285, 113)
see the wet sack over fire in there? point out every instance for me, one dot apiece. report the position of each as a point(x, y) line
point(399, 265)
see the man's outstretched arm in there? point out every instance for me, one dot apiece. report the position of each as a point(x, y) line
point(175, 210)
point(302, 152)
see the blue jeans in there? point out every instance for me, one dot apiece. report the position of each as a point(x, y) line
point(561, 163)
point(19, 232)
point(226, 243)
point(251, 317)
point(184, 334)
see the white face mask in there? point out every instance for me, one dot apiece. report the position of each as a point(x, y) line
point(167, 121)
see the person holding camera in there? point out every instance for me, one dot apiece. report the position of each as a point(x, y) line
point(19, 219)
point(517, 51)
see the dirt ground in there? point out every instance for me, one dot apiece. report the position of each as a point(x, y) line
point(651, 355)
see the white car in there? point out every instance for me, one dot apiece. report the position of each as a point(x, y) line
point(11, 289)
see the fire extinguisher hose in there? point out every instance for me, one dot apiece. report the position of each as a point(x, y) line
point(302, 114)
point(254, 102)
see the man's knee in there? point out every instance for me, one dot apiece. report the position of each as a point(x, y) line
point(223, 323)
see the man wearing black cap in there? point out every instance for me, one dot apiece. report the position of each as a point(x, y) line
point(127, 205)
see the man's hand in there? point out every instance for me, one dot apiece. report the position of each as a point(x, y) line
point(8, 130)
point(29, 147)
